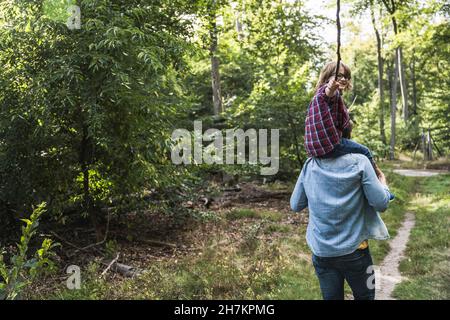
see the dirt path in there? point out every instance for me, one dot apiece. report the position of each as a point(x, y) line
point(389, 273)
point(418, 173)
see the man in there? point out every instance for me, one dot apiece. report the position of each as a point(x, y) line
point(343, 196)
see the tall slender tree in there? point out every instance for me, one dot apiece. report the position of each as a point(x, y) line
point(380, 66)
point(215, 64)
point(393, 80)
point(392, 7)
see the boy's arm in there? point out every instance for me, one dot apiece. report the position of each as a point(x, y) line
point(324, 99)
point(320, 106)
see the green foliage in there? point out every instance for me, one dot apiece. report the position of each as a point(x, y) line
point(86, 117)
point(24, 270)
point(366, 129)
point(264, 72)
point(57, 9)
point(95, 105)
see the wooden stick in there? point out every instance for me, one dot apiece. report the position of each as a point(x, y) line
point(104, 238)
point(66, 241)
point(338, 23)
point(158, 243)
point(350, 108)
point(110, 265)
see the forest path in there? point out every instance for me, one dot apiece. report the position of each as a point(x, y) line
point(389, 273)
point(418, 173)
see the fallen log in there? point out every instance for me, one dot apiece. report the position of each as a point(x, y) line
point(123, 269)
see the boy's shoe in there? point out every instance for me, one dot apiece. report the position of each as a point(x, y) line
point(391, 196)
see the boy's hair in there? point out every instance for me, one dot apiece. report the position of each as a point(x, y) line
point(329, 70)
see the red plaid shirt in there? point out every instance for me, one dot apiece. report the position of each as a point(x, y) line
point(327, 118)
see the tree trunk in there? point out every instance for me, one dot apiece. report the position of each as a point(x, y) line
point(391, 8)
point(414, 85)
point(239, 29)
point(403, 88)
point(393, 79)
point(238, 24)
point(85, 160)
point(429, 146)
point(380, 78)
point(215, 74)
point(424, 145)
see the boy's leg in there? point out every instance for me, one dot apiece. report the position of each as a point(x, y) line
point(332, 154)
point(350, 146)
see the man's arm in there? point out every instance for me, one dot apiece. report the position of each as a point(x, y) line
point(376, 192)
point(299, 201)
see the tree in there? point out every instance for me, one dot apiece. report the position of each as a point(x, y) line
point(380, 64)
point(215, 72)
point(393, 80)
point(87, 114)
point(392, 8)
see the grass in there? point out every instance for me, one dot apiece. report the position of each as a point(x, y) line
point(237, 214)
point(263, 257)
point(427, 263)
point(219, 273)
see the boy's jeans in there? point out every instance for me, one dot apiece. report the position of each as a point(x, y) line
point(347, 146)
point(353, 268)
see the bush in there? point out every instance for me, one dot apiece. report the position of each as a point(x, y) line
point(23, 270)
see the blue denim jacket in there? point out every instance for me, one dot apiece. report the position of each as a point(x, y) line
point(343, 196)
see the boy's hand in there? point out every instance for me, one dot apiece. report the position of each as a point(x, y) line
point(333, 85)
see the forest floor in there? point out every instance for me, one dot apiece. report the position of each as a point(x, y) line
point(248, 244)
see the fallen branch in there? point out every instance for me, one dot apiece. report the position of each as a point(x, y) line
point(66, 241)
point(104, 238)
point(159, 243)
point(126, 271)
point(110, 265)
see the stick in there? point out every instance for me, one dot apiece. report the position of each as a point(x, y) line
point(88, 246)
point(66, 241)
point(110, 265)
point(104, 238)
point(350, 108)
point(338, 23)
point(158, 243)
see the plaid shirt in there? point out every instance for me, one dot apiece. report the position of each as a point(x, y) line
point(327, 118)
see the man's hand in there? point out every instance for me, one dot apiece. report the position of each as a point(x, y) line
point(382, 177)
